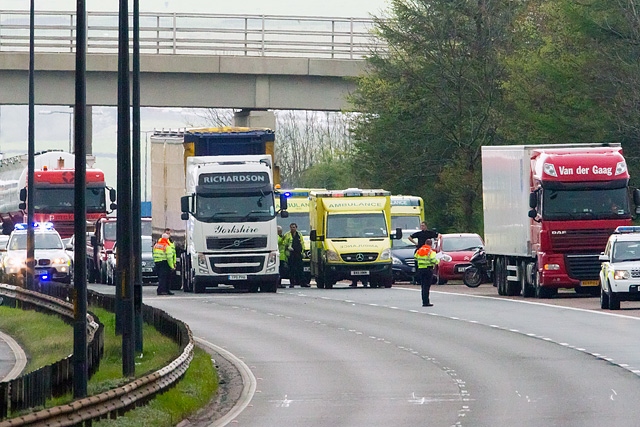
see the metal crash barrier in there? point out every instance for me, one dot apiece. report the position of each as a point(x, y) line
point(111, 403)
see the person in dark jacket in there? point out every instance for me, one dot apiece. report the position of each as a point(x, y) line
point(295, 249)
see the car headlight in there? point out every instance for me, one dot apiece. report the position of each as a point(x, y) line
point(13, 262)
point(444, 257)
point(396, 261)
point(332, 256)
point(621, 275)
point(385, 255)
point(61, 260)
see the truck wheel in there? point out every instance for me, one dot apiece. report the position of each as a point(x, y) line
point(525, 288)
point(91, 273)
point(604, 299)
point(269, 287)
point(198, 285)
point(500, 276)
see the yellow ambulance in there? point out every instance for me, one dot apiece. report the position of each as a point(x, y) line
point(351, 236)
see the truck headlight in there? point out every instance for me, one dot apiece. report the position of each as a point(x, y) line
point(332, 256)
point(385, 255)
point(273, 256)
point(621, 275)
point(202, 263)
point(271, 262)
point(396, 261)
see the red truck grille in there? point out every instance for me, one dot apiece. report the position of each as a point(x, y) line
point(573, 241)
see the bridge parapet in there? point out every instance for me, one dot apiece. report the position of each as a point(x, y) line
point(197, 34)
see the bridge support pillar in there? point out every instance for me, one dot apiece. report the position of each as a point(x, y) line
point(255, 119)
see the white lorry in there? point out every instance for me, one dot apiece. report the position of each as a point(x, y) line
point(231, 235)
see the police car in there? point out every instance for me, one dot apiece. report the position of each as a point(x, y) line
point(620, 272)
point(51, 259)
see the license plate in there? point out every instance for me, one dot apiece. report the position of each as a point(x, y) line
point(590, 283)
point(461, 268)
point(237, 277)
point(147, 270)
point(307, 269)
point(360, 273)
point(41, 272)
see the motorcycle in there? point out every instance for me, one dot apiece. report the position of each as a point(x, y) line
point(479, 271)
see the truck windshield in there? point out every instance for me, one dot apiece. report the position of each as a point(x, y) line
point(406, 222)
point(246, 207)
point(62, 200)
point(301, 219)
point(341, 226)
point(585, 204)
point(109, 230)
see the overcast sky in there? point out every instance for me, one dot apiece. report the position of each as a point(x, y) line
point(338, 8)
point(52, 130)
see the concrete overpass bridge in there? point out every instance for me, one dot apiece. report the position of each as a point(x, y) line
point(188, 60)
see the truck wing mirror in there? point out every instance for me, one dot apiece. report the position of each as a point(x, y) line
point(112, 194)
point(636, 197)
point(284, 214)
point(533, 214)
point(113, 206)
point(603, 257)
point(283, 203)
point(22, 206)
point(533, 199)
point(185, 207)
point(313, 235)
point(23, 195)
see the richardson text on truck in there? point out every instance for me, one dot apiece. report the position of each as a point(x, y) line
point(548, 212)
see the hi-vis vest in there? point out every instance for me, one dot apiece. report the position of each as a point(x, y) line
point(425, 257)
point(160, 251)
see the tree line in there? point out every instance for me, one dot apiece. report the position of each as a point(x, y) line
point(460, 74)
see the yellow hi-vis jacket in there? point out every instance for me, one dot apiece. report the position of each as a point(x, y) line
point(425, 257)
point(164, 251)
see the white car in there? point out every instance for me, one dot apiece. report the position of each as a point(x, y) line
point(52, 261)
point(620, 272)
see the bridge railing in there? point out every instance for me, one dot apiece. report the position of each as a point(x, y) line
point(197, 34)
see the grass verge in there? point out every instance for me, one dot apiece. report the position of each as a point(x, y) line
point(46, 339)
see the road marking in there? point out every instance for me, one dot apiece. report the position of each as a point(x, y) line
point(248, 380)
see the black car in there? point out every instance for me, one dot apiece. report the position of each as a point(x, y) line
point(402, 251)
point(148, 271)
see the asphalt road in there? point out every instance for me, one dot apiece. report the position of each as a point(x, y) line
point(375, 357)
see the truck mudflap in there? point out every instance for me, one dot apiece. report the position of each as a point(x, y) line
point(378, 275)
point(248, 282)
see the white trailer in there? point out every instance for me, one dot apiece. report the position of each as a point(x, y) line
point(167, 185)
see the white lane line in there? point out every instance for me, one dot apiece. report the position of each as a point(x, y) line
point(248, 380)
point(18, 354)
